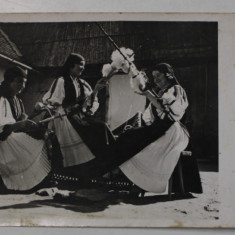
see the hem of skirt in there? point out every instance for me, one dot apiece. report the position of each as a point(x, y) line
point(74, 163)
point(31, 177)
point(150, 184)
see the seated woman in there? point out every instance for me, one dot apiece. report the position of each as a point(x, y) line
point(148, 155)
point(151, 168)
point(23, 159)
point(70, 93)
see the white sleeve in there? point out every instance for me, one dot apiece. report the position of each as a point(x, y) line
point(176, 102)
point(87, 88)
point(57, 96)
point(6, 116)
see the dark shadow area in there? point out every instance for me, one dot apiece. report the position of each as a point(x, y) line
point(75, 205)
point(208, 165)
point(156, 199)
point(83, 205)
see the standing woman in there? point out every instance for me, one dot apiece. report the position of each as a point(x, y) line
point(23, 159)
point(70, 92)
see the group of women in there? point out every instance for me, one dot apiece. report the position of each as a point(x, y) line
point(146, 155)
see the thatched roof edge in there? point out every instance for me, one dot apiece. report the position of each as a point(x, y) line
point(12, 45)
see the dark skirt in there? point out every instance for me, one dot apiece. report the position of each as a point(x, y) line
point(110, 156)
point(96, 135)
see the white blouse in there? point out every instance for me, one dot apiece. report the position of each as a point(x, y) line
point(6, 116)
point(175, 103)
point(57, 97)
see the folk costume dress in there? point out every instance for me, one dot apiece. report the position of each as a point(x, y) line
point(151, 168)
point(65, 92)
point(147, 155)
point(23, 159)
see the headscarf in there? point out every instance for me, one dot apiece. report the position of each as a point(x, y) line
point(166, 69)
point(73, 58)
point(14, 72)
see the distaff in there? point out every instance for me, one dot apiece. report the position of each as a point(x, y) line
point(123, 59)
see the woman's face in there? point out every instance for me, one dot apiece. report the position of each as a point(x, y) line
point(77, 69)
point(17, 85)
point(160, 79)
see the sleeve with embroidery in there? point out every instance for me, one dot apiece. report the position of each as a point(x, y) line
point(175, 102)
point(56, 93)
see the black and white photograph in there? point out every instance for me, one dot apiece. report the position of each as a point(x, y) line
point(109, 123)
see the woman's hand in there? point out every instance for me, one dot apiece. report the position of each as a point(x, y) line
point(80, 119)
point(103, 82)
point(24, 116)
point(16, 127)
point(157, 102)
point(23, 125)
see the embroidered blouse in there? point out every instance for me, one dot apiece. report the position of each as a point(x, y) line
point(174, 103)
point(62, 92)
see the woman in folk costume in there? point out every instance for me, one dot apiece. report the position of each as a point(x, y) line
point(151, 168)
point(23, 159)
point(69, 93)
point(147, 155)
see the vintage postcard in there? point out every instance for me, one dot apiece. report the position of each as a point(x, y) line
point(117, 120)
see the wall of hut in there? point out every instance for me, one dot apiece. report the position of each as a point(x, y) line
point(1, 73)
point(191, 47)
